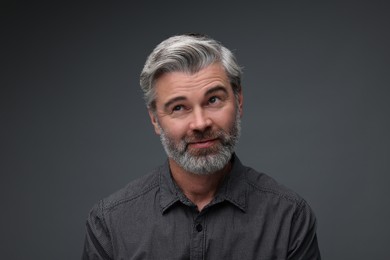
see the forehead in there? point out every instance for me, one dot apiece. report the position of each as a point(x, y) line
point(183, 83)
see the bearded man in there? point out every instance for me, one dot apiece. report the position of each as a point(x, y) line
point(202, 203)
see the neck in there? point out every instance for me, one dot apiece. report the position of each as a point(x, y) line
point(200, 189)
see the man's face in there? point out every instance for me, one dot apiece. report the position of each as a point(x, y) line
point(198, 118)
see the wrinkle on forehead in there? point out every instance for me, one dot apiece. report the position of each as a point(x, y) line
point(176, 83)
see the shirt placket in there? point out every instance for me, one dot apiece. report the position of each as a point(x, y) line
point(198, 237)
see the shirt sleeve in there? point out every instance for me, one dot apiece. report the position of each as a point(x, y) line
point(97, 245)
point(303, 243)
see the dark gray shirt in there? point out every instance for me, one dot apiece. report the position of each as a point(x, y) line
point(251, 217)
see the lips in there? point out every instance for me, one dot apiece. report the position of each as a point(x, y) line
point(202, 143)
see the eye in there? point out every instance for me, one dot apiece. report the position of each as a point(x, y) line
point(177, 108)
point(213, 100)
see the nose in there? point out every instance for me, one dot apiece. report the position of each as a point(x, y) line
point(199, 120)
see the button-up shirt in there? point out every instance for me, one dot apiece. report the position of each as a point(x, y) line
point(250, 217)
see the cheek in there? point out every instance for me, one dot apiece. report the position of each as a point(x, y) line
point(226, 119)
point(174, 129)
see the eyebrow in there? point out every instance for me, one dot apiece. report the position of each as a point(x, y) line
point(208, 92)
point(173, 100)
point(216, 89)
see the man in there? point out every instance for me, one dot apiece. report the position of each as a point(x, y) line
point(202, 203)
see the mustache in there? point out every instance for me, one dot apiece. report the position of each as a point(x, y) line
point(208, 134)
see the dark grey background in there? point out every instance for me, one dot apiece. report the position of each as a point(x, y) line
point(74, 127)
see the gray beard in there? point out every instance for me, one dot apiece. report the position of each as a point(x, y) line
point(208, 160)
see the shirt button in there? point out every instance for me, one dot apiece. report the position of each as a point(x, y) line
point(199, 227)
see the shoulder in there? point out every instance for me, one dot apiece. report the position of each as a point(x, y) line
point(134, 191)
point(268, 191)
point(260, 186)
point(283, 209)
point(266, 184)
point(265, 194)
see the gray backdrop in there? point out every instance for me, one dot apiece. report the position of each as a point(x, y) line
point(74, 127)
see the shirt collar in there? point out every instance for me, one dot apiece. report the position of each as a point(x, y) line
point(233, 188)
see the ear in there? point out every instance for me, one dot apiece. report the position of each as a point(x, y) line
point(154, 120)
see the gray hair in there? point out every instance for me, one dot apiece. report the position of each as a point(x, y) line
point(187, 53)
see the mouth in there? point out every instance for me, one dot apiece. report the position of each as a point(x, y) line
point(202, 143)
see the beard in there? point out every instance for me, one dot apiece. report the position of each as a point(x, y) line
point(204, 161)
